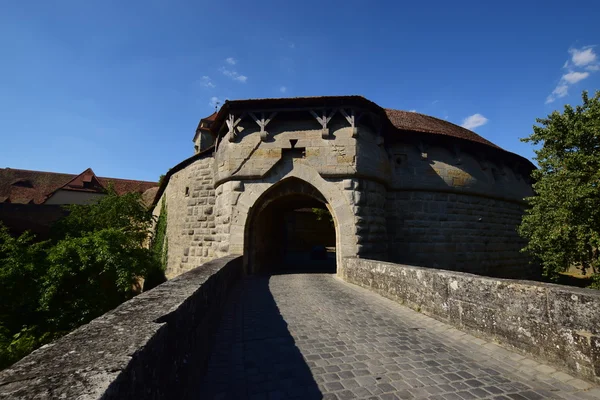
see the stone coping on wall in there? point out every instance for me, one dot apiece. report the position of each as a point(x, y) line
point(138, 350)
point(555, 323)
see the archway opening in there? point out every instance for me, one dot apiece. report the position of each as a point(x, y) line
point(291, 230)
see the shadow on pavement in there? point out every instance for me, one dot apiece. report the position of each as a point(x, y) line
point(254, 355)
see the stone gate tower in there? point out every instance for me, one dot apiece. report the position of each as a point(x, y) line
point(400, 186)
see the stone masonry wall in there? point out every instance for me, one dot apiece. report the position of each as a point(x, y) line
point(144, 349)
point(555, 323)
point(459, 232)
point(191, 228)
point(367, 199)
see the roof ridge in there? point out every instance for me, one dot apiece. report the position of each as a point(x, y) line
point(125, 180)
point(63, 187)
point(33, 170)
point(445, 121)
point(68, 174)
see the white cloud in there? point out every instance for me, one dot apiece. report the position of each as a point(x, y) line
point(283, 89)
point(412, 110)
point(207, 82)
point(574, 77)
point(474, 121)
point(214, 102)
point(231, 61)
point(233, 75)
point(582, 57)
point(557, 93)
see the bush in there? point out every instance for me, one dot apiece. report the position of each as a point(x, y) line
point(91, 264)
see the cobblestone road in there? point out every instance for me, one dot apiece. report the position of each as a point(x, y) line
point(313, 336)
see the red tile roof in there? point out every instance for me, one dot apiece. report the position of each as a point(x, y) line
point(24, 186)
point(415, 122)
point(211, 117)
point(87, 181)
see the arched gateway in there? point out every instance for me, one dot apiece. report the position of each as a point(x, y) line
point(283, 231)
point(400, 186)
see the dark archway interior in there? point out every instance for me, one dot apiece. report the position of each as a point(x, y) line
point(293, 232)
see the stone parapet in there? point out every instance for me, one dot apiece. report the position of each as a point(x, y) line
point(139, 350)
point(555, 323)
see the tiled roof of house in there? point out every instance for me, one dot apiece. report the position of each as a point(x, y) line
point(25, 186)
point(211, 117)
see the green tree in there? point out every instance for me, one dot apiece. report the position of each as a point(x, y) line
point(22, 266)
point(91, 264)
point(323, 214)
point(91, 274)
point(562, 225)
point(125, 212)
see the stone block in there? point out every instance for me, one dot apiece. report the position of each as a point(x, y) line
point(515, 313)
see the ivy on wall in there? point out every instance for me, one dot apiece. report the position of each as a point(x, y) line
point(160, 248)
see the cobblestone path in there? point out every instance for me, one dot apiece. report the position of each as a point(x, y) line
point(313, 336)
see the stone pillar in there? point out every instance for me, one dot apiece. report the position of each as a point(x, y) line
point(367, 199)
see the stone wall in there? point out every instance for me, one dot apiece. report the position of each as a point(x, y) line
point(558, 324)
point(459, 232)
point(419, 166)
point(141, 349)
point(367, 199)
point(191, 228)
point(421, 199)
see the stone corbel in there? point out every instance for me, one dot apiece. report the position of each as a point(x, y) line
point(237, 186)
point(348, 184)
point(516, 168)
point(232, 123)
point(502, 169)
point(483, 162)
point(350, 117)
point(423, 150)
point(378, 125)
point(457, 154)
point(262, 123)
point(324, 120)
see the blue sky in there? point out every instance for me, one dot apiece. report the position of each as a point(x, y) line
point(120, 86)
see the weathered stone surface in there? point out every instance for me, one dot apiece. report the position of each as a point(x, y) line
point(141, 349)
point(190, 200)
point(415, 198)
point(460, 232)
point(556, 323)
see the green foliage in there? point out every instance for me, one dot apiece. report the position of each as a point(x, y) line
point(562, 225)
point(21, 271)
point(91, 274)
point(159, 247)
point(125, 212)
point(323, 214)
point(91, 264)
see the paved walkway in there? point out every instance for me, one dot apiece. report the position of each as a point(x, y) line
point(313, 336)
